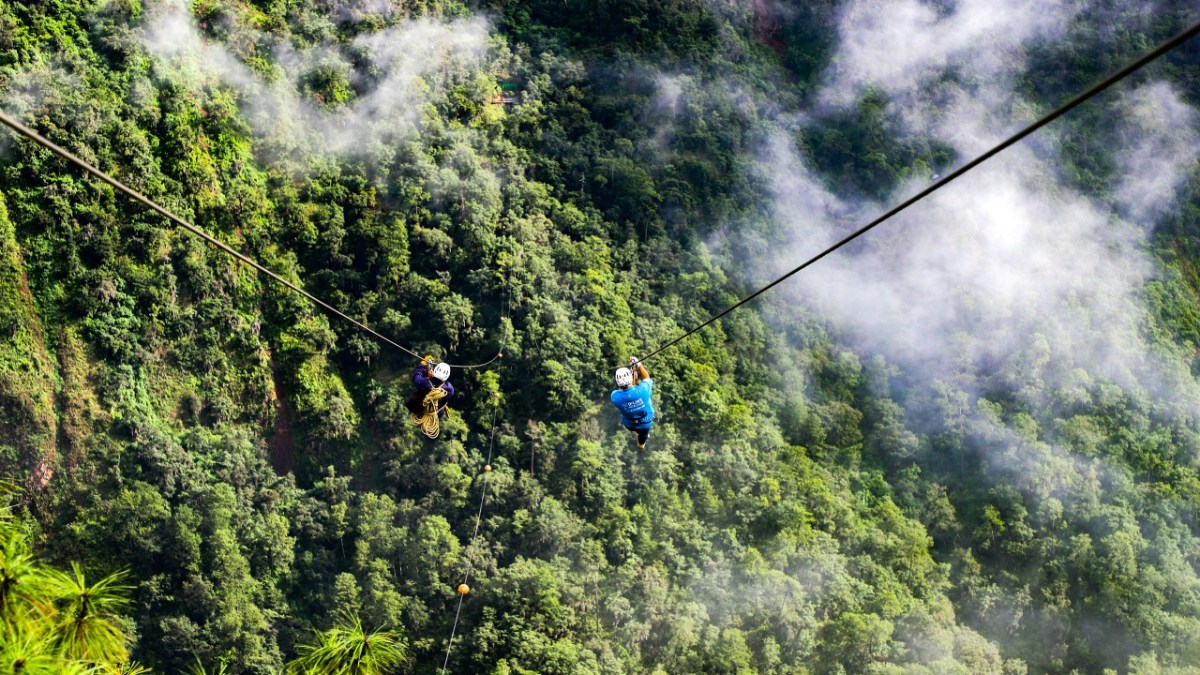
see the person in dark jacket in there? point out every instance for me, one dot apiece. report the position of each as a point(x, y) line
point(427, 378)
point(632, 399)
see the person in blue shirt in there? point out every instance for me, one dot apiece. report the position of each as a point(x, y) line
point(632, 399)
point(426, 379)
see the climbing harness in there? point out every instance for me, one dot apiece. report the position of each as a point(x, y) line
point(428, 419)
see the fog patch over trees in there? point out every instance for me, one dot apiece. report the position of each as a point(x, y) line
point(351, 98)
point(1007, 251)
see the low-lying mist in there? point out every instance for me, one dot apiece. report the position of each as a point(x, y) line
point(327, 97)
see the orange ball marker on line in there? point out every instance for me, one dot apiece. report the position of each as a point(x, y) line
point(463, 589)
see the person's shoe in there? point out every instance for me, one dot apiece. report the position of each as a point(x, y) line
point(641, 446)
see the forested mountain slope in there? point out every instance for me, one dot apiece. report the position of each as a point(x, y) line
point(968, 444)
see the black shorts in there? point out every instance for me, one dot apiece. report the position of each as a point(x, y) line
point(642, 434)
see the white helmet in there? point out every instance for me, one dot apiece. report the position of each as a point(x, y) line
point(442, 371)
point(624, 377)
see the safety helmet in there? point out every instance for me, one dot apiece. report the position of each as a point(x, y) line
point(442, 371)
point(624, 377)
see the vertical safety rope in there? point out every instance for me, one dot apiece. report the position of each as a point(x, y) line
point(466, 577)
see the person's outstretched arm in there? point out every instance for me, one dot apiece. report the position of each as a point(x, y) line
point(639, 371)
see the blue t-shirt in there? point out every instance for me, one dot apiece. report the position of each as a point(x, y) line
point(637, 411)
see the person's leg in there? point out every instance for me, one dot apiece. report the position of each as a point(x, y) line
point(416, 403)
point(642, 435)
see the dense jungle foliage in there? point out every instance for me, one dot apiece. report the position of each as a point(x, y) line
point(245, 463)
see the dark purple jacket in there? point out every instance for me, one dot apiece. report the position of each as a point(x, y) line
point(425, 383)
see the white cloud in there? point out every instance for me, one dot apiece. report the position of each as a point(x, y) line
point(1006, 252)
point(897, 45)
point(1166, 149)
point(404, 64)
point(1001, 252)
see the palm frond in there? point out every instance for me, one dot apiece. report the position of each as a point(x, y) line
point(89, 620)
point(221, 668)
point(347, 649)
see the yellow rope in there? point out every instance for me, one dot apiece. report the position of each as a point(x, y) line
point(429, 420)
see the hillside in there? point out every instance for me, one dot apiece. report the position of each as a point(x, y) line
point(968, 443)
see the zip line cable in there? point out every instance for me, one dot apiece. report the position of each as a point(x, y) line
point(499, 355)
point(34, 136)
point(1011, 140)
point(479, 515)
